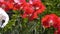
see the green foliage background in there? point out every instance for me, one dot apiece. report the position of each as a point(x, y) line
point(17, 25)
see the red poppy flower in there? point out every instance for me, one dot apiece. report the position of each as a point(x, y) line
point(45, 21)
point(37, 8)
point(57, 24)
point(50, 20)
point(29, 10)
point(33, 16)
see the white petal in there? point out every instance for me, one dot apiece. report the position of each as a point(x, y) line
point(4, 16)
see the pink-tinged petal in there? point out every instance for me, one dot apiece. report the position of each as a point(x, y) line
point(1, 0)
point(19, 1)
point(32, 1)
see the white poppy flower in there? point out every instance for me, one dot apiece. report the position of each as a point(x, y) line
point(3, 16)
